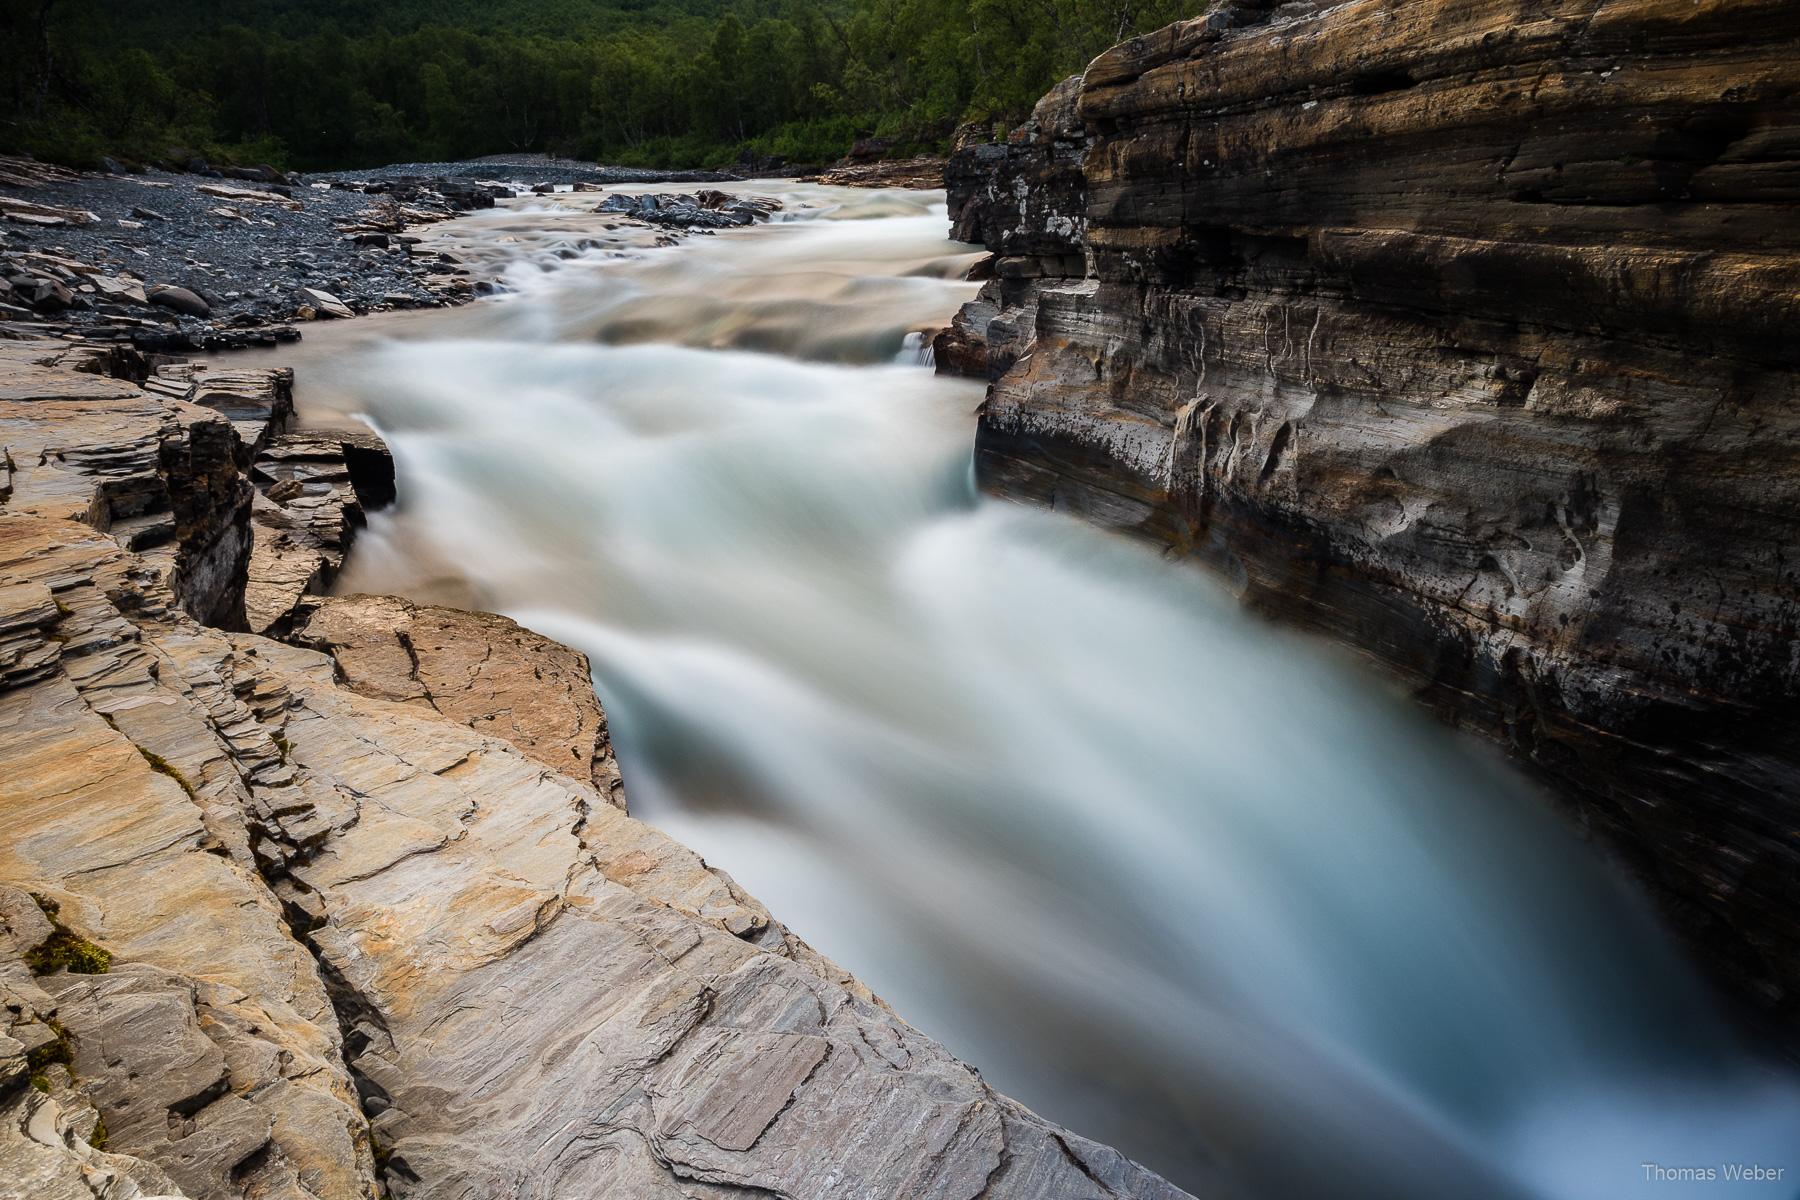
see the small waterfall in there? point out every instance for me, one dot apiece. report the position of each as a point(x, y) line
point(916, 349)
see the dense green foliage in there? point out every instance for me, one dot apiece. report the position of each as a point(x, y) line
point(315, 84)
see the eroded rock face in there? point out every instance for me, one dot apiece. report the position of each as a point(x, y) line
point(1023, 199)
point(370, 918)
point(1461, 332)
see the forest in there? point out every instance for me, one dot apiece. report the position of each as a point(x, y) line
point(331, 84)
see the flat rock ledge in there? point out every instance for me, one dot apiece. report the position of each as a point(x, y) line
point(367, 916)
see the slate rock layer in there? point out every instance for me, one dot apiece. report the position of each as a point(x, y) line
point(1462, 331)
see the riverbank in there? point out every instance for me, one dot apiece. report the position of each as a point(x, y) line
point(345, 923)
point(181, 263)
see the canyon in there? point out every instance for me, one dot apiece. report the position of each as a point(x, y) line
point(554, 744)
point(362, 912)
point(1460, 332)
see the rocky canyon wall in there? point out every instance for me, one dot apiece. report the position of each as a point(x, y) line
point(1466, 332)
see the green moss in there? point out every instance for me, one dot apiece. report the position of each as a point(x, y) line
point(50, 1054)
point(282, 744)
point(162, 766)
point(97, 1139)
point(64, 949)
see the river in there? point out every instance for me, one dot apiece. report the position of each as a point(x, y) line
point(1182, 882)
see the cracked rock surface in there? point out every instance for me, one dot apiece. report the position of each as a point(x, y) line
point(367, 915)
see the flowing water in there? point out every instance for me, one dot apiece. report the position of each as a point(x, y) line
point(1181, 882)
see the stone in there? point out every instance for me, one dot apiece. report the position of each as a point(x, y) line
point(47, 295)
point(325, 304)
point(120, 290)
point(1465, 337)
point(925, 172)
point(27, 212)
point(248, 196)
point(179, 299)
point(305, 517)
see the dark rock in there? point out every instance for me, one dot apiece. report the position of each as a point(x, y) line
point(178, 299)
point(258, 174)
point(47, 295)
point(1467, 341)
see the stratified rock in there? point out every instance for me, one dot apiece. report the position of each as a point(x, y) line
point(479, 669)
point(329, 922)
point(27, 212)
point(46, 295)
point(29, 172)
point(1463, 333)
point(160, 474)
point(120, 289)
point(47, 1156)
point(1024, 199)
point(306, 513)
point(249, 196)
point(923, 173)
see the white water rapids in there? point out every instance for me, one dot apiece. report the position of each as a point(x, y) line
point(1181, 882)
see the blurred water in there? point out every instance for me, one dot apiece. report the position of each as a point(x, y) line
point(1179, 881)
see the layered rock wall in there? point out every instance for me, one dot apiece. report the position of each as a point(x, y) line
point(1462, 331)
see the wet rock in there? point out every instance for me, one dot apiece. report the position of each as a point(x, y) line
point(324, 304)
point(710, 209)
point(1437, 332)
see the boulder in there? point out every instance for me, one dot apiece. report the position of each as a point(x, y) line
point(324, 304)
point(178, 299)
point(46, 295)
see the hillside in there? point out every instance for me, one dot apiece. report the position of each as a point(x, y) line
point(320, 84)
